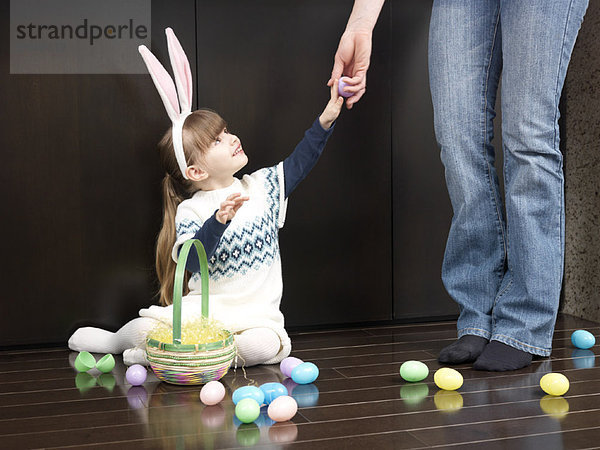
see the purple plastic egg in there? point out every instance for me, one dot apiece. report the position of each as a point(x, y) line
point(136, 375)
point(288, 364)
point(341, 85)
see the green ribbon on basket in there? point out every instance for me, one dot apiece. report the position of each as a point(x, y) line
point(178, 286)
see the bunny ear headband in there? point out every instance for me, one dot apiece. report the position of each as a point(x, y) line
point(178, 103)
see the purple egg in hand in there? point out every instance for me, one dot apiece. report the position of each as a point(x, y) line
point(136, 375)
point(288, 364)
point(341, 85)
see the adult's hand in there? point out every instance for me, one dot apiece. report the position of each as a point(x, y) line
point(352, 60)
point(354, 51)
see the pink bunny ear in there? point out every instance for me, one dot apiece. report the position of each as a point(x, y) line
point(181, 71)
point(162, 81)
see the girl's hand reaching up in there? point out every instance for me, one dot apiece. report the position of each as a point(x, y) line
point(229, 207)
point(333, 108)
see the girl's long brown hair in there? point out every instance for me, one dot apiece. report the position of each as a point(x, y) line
point(200, 130)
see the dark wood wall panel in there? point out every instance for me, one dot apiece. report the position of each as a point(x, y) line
point(80, 192)
point(422, 210)
point(263, 65)
point(81, 178)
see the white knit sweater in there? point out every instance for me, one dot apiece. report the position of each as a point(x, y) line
point(245, 283)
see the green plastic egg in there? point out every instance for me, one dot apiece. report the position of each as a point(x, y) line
point(554, 384)
point(414, 371)
point(448, 379)
point(247, 410)
point(106, 364)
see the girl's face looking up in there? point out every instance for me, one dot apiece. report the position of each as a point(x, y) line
point(223, 158)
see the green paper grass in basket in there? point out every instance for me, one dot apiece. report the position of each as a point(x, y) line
point(179, 358)
point(198, 330)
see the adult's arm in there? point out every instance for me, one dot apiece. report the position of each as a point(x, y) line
point(353, 55)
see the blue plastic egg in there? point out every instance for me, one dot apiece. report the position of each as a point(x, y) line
point(583, 339)
point(252, 392)
point(272, 391)
point(305, 373)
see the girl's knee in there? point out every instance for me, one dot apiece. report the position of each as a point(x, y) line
point(257, 345)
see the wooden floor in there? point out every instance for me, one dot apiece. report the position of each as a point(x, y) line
point(359, 400)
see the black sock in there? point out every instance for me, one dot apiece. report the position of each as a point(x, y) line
point(466, 349)
point(499, 357)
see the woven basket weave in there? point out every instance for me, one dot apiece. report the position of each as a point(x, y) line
point(184, 364)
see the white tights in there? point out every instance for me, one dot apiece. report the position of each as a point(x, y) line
point(254, 346)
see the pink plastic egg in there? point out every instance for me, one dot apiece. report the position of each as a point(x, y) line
point(212, 393)
point(282, 408)
point(288, 364)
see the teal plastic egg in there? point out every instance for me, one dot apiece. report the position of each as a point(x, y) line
point(272, 391)
point(252, 392)
point(414, 371)
point(305, 373)
point(583, 339)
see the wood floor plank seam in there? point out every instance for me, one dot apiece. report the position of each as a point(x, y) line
point(391, 343)
point(329, 420)
point(429, 384)
point(302, 350)
point(300, 411)
point(189, 434)
point(337, 405)
point(408, 430)
point(457, 367)
point(511, 437)
point(568, 330)
point(360, 400)
point(408, 325)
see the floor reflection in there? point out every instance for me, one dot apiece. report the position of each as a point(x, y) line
point(448, 401)
point(137, 397)
point(556, 407)
point(283, 432)
point(583, 359)
point(414, 393)
point(177, 418)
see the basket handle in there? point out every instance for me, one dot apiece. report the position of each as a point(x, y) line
point(178, 286)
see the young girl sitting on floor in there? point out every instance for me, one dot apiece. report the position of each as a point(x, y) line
point(237, 221)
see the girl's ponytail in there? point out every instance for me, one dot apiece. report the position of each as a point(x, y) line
point(165, 266)
point(200, 130)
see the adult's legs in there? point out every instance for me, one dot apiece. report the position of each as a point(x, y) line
point(465, 62)
point(537, 40)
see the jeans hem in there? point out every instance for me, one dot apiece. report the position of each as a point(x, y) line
point(474, 331)
point(521, 345)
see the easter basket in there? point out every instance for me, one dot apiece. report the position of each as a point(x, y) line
point(188, 364)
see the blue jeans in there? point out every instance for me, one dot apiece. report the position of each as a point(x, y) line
point(503, 264)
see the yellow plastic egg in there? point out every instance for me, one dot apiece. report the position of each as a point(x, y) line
point(448, 379)
point(554, 384)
